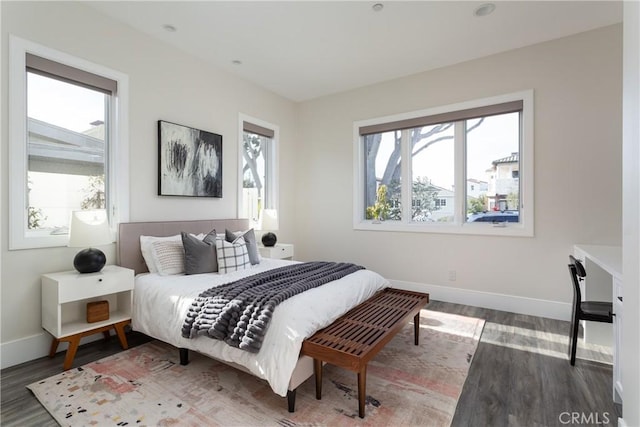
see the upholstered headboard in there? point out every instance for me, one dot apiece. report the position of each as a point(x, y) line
point(128, 245)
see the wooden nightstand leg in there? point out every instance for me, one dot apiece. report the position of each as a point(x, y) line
point(54, 347)
point(106, 335)
point(120, 332)
point(74, 341)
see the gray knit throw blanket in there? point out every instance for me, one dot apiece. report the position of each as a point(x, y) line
point(239, 312)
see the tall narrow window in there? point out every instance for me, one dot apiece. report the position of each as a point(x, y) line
point(67, 144)
point(258, 169)
point(432, 167)
point(493, 156)
point(66, 137)
point(451, 169)
point(383, 175)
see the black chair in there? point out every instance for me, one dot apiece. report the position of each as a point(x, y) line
point(595, 311)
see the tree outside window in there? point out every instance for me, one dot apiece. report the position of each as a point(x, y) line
point(258, 170)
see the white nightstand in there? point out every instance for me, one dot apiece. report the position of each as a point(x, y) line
point(64, 303)
point(279, 251)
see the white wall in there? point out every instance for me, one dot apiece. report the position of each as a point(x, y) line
point(578, 180)
point(631, 216)
point(165, 84)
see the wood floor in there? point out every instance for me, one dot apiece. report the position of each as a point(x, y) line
point(520, 376)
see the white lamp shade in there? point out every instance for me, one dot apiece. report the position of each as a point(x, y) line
point(268, 219)
point(89, 228)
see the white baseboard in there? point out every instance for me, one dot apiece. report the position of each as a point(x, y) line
point(502, 302)
point(34, 347)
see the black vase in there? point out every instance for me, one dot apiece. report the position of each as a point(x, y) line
point(269, 239)
point(89, 260)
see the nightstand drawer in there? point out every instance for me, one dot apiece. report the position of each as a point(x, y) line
point(73, 286)
point(279, 251)
point(284, 251)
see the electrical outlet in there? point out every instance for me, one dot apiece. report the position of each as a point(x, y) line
point(452, 275)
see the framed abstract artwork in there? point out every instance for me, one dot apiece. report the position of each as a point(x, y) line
point(189, 161)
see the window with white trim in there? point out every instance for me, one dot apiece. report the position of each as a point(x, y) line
point(68, 143)
point(258, 168)
point(464, 168)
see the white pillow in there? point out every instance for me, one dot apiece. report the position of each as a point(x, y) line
point(168, 256)
point(232, 256)
point(145, 248)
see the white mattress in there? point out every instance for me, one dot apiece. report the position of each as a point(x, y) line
point(161, 304)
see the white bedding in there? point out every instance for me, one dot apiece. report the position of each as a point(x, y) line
point(161, 303)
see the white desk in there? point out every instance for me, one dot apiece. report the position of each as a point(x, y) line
point(604, 283)
point(609, 258)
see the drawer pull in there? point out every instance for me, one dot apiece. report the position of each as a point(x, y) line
point(100, 280)
point(620, 299)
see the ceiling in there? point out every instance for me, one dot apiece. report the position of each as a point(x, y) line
point(306, 49)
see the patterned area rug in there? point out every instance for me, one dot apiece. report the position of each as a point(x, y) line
point(146, 386)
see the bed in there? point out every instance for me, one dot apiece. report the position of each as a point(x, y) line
point(161, 303)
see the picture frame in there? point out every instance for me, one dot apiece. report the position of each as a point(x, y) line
point(189, 161)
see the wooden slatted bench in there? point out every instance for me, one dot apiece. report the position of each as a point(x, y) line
point(355, 338)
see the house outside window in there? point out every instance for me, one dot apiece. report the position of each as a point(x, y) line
point(66, 136)
point(258, 168)
point(504, 183)
point(440, 166)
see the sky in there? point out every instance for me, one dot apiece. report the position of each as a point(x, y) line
point(63, 104)
point(495, 138)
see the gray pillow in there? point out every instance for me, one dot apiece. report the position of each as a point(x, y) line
point(200, 255)
point(250, 238)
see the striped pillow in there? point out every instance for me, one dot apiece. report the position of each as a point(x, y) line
point(232, 256)
point(168, 256)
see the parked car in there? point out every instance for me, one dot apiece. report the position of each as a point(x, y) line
point(495, 217)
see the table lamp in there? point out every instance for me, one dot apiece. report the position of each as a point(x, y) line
point(89, 228)
point(268, 221)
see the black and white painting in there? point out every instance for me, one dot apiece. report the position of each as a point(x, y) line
point(190, 161)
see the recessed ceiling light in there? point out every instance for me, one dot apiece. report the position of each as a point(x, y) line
point(236, 62)
point(484, 9)
point(170, 28)
point(377, 7)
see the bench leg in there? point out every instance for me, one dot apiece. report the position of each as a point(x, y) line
point(317, 370)
point(184, 356)
point(362, 390)
point(291, 400)
point(416, 329)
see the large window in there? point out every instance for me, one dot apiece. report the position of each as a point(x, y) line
point(67, 146)
point(466, 168)
point(258, 168)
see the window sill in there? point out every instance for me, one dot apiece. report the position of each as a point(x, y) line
point(481, 229)
point(20, 241)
